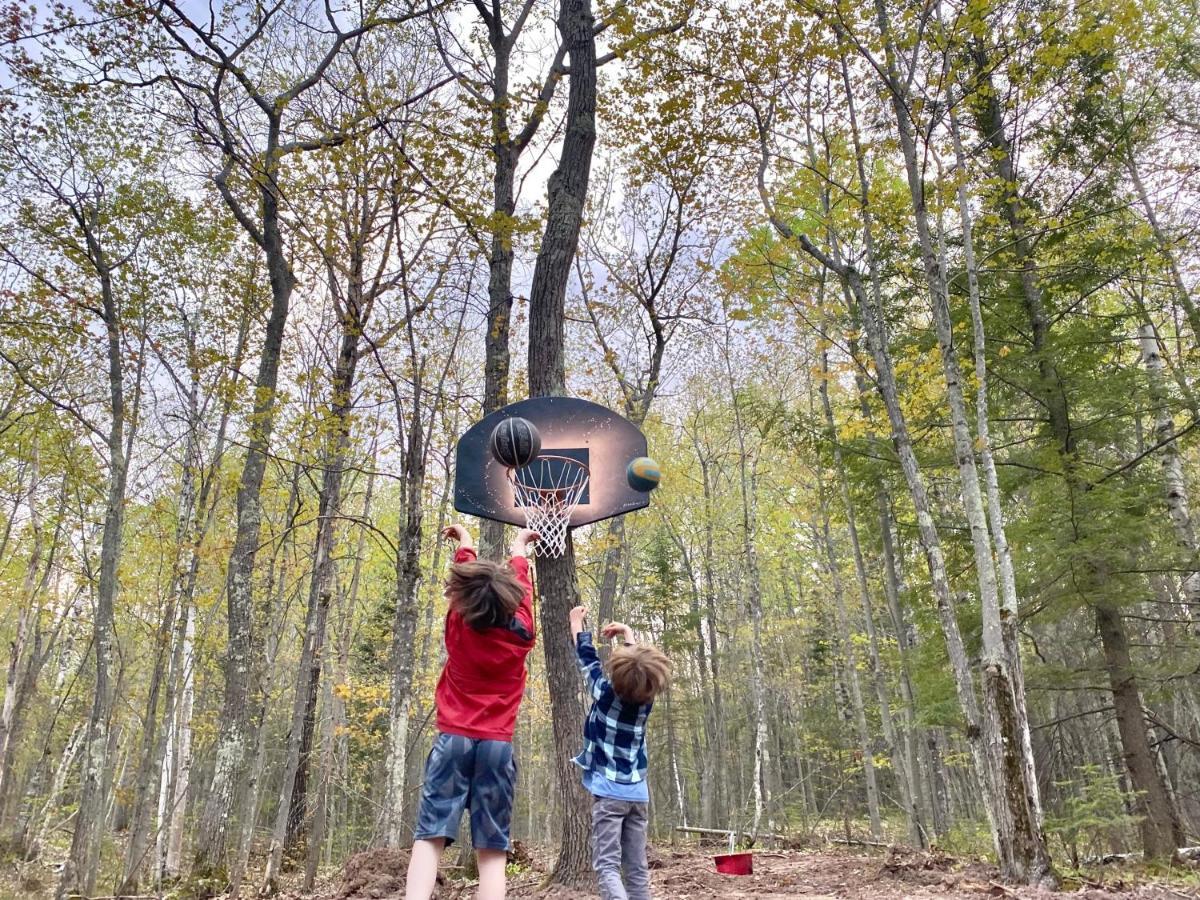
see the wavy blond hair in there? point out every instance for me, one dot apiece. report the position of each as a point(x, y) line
point(639, 672)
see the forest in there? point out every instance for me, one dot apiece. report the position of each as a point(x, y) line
point(904, 295)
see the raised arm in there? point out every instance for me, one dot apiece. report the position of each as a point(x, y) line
point(520, 566)
point(585, 653)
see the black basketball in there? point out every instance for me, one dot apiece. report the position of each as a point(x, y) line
point(515, 442)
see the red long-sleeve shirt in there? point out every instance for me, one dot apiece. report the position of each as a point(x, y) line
point(482, 683)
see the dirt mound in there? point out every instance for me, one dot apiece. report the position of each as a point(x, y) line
point(374, 875)
point(925, 867)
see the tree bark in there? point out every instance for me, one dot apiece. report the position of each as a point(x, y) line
point(1009, 605)
point(923, 800)
point(28, 650)
point(215, 820)
point(507, 147)
point(404, 625)
point(335, 756)
point(1174, 483)
point(179, 760)
point(1159, 821)
point(149, 765)
point(500, 265)
point(720, 805)
point(273, 597)
point(610, 569)
point(181, 752)
point(747, 479)
point(567, 196)
point(320, 815)
point(81, 869)
point(707, 763)
point(36, 840)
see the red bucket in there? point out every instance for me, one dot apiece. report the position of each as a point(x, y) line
point(735, 863)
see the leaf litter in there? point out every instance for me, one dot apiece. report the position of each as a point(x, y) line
point(690, 874)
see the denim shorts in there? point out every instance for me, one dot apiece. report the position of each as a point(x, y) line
point(465, 773)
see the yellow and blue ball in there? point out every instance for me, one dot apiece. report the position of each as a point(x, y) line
point(643, 474)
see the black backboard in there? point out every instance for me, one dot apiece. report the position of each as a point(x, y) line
point(602, 439)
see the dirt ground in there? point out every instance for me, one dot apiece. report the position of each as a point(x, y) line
point(689, 874)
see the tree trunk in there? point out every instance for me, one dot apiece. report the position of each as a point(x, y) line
point(923, 800)
point(850, 667)
point(152, 777)
point(1009, 605)
point(567, 196)
point(273, 598)
point(610, 570)
point(1021, 845)
point(870, 311)
point(179, 761)
point(678, 790)
point(558, 594)
point(404, 626)
point(1161, 831)
point(26, 654)
point(900, 761)
point(1174, 483)
point(82, 865)
point(250, 802)
point(707, 763)
point(149, 767)
point(334, 757)
point(36, 840)
point(212, 830)
point(1182, 295)
point(307, 681)
point(181, 750)
point(497, 357)
point(291, 811)
point(320, 814)
point(914, 751)
point(747, 472)
point(720, 806)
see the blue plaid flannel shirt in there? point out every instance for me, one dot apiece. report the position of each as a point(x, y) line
point(614, 735)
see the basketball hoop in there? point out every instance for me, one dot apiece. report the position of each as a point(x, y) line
point(547, 491)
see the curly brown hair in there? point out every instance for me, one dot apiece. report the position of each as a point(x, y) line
point(485, 593)
point(639, 672)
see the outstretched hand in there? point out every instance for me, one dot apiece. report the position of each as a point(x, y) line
point(520, 544)
point(618, 629)
point(577, 616)
point(458, 534)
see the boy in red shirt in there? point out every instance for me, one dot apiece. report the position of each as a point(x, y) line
point(489, 632)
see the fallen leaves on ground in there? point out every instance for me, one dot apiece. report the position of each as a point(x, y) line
point(690, 874)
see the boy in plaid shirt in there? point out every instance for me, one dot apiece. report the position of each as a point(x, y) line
point(614, 754)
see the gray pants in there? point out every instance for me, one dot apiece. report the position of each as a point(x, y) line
point(619, 841)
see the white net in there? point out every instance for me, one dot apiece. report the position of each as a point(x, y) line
point(548, 490)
